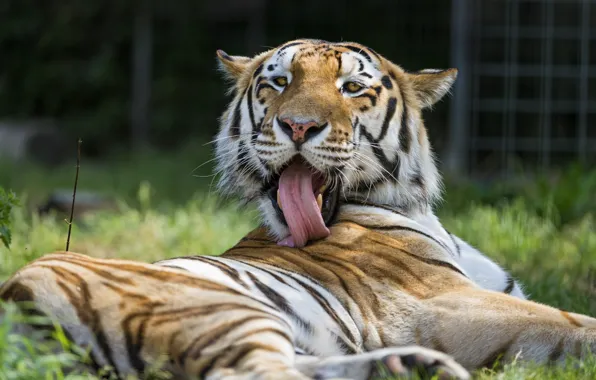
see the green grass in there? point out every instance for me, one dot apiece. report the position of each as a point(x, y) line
point(175, 177)
point(33, 356)
point(544, 234)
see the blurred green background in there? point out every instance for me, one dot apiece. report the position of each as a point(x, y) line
point(73, 62)
point(137, 81)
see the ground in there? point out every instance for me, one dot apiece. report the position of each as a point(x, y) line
point(542, 231)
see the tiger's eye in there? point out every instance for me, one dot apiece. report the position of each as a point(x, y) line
point(281, 81)
point(352, 87)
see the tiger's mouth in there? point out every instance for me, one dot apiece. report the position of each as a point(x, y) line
point(304, 201)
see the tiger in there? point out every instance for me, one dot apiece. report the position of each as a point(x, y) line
point(350, 274)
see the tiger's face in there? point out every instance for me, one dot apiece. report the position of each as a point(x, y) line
point(313, 123)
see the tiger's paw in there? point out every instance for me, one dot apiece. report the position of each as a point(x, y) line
point(389, 363)
point(423, 365)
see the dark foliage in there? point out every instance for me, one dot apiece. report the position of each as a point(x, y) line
point(71, 60)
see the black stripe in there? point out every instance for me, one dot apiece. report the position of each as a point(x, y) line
point(409, 229)
point(197, 345)
point(258, 71)
point(386, 82)
point(374, 53)
point(390, 166)
point(391, 108)
point(358, 50)
point(557, 351)
point(365, 74)
point(435, 262)
point(239, 353)
point(282, 271)
point(242, 159)
point(231, 272)
point(276, 276)
point(361, 202)
point(262, 86)
point(494, 360)
point(373, 98)
point(320, 299)
point(405, 137)
point(360, 64)
point(134, 344)
point(174, 267)
point(88, 315)
point(457, 247)
point(290, 45)
point(510, 284)
point(273, 330)
point(17, 292)
point(280, 302)
point(205, 370)
point(235, 128)
point(251, 114)
point(230, 357)
point(327, 307)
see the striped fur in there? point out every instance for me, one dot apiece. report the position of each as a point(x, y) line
point(390, 285)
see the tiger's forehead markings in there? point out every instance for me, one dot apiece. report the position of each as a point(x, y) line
point(282, 59)
point(350, 59)
point(354, 64)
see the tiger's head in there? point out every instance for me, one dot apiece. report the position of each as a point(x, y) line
point(314, 123)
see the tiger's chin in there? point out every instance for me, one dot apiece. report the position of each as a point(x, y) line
point(304, 201)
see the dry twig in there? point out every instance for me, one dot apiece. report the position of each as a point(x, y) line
point(74, 192)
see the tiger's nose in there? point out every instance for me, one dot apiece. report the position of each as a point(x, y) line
point(300, 132)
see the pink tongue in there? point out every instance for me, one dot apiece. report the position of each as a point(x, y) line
point(300, 206)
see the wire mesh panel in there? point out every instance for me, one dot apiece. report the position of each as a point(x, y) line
point(533, 85)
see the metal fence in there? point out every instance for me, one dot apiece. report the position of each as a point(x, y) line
point(526, 97)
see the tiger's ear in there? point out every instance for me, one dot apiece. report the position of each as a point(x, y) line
point(232, 66)
point(431, 85)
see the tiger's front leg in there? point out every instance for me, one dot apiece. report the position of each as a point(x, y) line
point(479, 328)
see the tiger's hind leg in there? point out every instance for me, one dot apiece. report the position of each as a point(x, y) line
point(133, 315)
